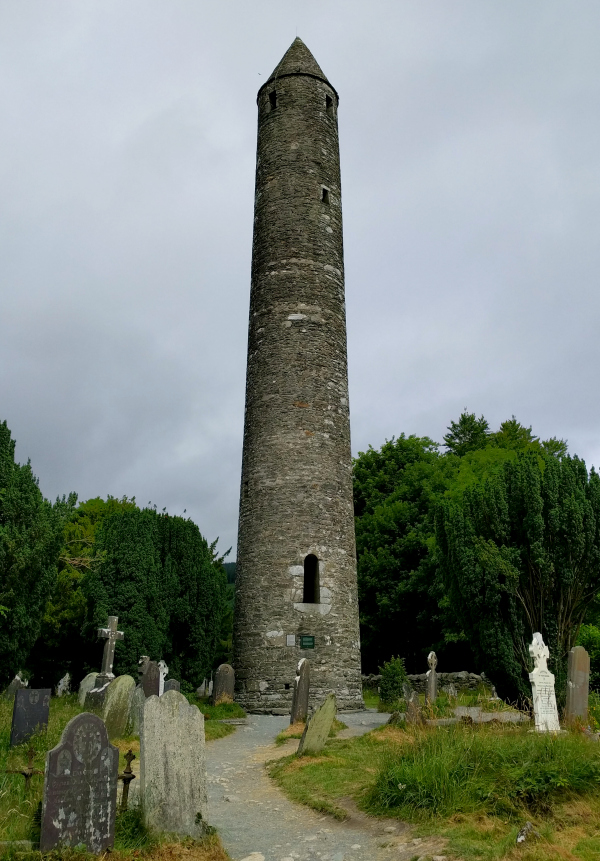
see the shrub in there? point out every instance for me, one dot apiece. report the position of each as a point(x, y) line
point(459, 770)
point(393, 677)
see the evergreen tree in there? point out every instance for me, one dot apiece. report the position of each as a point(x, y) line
point(30, 539)
point(520, 552)
point(469, 433)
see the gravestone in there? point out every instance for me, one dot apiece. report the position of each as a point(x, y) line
point(414, 713)
point(16, 685)
point(94, 700)
point(201, 691)
point(30, 713)
point(142, 666)
point(431, 683)
point(301, 692)
point(64, 686)
point(406, 692)
point(316, 732)
point(117, 706)
point(137, 704)
point(111, 635)
point(80, 788)
point(542, 688)
point(151, 679)
point(578, 684)
point(172, 685)
point(163, 672)
point(87, 684)
point(450, 691)
point(172, 765)
point(210, 688)
point(224, 684)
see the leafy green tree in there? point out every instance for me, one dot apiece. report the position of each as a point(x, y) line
point(58, 648)
point(589, 638)
point(520, 552)
point(30, 539)
point(393, 677)
point(469, 433)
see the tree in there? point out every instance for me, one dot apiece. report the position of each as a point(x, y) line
point(30, 538)
point(58, 648)
point(519, 553)
point(164, 582)
point(467, 434)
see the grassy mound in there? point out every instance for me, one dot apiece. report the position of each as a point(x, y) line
point(456, 770)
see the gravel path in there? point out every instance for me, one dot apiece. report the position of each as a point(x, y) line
point(256, 821)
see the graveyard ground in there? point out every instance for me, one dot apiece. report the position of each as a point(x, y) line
point(475, 786)
point(18, 808)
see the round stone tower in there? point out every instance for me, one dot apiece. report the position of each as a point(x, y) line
point(296, 592)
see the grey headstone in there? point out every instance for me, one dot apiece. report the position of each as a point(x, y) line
point(87, 684)
point(117, 706)
point(414, 713)
point(201, 691)
point(172, 685)
point(151, 679)
point(224, 685)
point(16, 685)
point(94, 701)
point(318, 727)
point(30, 713)
point(301, 692)
point(431, 689)
point(163, 672)
point(450, 690)
point(64, 686)
point(210, 688)
point(542, 688)
point(80, 788)
point(578, 684)
point(172, 765)
point(137, 704)
point(406, 691)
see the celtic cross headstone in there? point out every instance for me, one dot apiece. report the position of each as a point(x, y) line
point(542, 687)
point(111, 635)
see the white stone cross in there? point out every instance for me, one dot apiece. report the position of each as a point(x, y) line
point(111, 635)
point(539, 652)
point(164, 672)
point(432, 660)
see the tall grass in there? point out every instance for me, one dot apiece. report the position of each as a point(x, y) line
point(463, 770)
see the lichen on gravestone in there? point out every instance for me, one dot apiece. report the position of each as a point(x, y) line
point(117, 705)
point(318, 727)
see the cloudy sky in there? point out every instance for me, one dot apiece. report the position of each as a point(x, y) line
point(470, 143)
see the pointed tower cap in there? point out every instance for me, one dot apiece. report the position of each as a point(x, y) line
point(298, 60)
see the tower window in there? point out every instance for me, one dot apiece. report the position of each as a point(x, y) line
point(273, 100)
point(311, 580)
point(329, 105)
point(325, 194)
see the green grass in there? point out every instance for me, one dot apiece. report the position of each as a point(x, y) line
point(223, 711)
point(371, 698)
point(505, 773)
point(444, 705)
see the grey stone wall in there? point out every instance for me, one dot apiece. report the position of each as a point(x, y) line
point(462, 681)
point(296, 489)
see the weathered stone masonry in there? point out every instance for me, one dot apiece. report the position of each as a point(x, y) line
point(296, 489)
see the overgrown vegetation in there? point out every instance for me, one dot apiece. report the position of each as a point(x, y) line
point(393, 678)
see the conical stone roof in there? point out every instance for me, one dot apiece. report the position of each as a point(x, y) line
point(298, 60)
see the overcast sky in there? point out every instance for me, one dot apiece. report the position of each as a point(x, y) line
point(470, 144)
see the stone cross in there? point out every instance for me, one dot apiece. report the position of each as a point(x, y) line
point(431, 692)
point(542, 688)
point(111, 635)
point(578, 684)
point(164, 672)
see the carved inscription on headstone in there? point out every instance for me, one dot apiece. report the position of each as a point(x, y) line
point(301, 692)
point(80, 788)
point(30, 713)
point(224, 684)
point(542, 688)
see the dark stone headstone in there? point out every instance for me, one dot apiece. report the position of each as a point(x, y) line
point(30, 713)
point(80, 788)
point(578, 684)
point(301, 691)
point(172, 685)
point(94, 701)
point(151, 679)
point(224, 684)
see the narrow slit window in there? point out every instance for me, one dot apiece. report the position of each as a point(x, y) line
point(311, 580)
point(329, 104)
point(325, 195)
point(273, 100)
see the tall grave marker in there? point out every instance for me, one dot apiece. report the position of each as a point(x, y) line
point(80, 788)
point(301, 692)
point(542, 687)
point(578, 684)
point(432, 683)
point(30, 713)
point(111, 635)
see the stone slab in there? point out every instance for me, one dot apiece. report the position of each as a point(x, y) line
point(80, 788)
point(173, 765)
point(224, 684)
point(30, 713)
point(578, 685)
point(151, 679)
point(299, 711)
point(117, 706)
point(86, 685)
point(172, 685)
point(318, 727)
point(137, 704)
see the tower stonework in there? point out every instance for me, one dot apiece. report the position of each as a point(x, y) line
point(296, 561)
